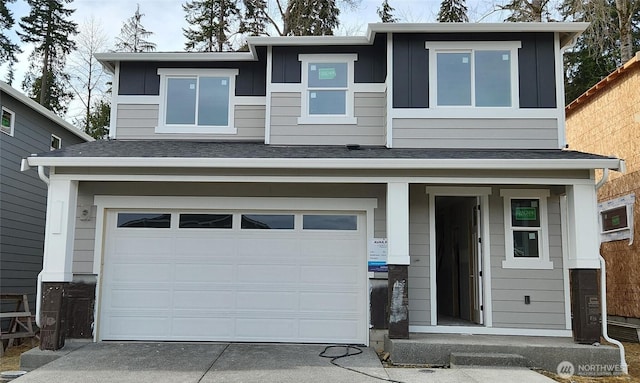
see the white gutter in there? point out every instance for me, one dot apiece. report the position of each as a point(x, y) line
point(328, 163)
point(605, 333)
point(603, 288)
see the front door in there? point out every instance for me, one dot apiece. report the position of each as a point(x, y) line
point(458, 260)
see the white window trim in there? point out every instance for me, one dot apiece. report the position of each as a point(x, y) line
point(59, 140)
point(13, 121)
point(472, 46)
point(347, 119)
point(166, 73)
point(511, 262)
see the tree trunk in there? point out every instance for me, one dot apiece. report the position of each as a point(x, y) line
point(624, 22)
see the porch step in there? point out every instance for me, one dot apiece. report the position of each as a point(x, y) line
point(457, 359)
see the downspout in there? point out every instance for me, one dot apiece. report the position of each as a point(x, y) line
point(603, 295)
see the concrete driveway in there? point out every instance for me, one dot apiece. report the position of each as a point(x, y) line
point(222, 362)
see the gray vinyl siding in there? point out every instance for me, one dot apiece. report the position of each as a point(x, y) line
point(23, 198)
point(369, 109)
point(509, 286)
point(85, 234)
point(138, 121)
point(419, 285)
point(476, 133)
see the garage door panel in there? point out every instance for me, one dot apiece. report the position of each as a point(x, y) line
point(193, 272)
point(267, 300)
point(324, 301)
point(267, 246)
point(140, 299)
point(143, 245)
point(136, 326)
point(339, 330)
point(214, 243)
point(267, 273)
point(329, 274)
point(212, 299)
point(267, 328)
point(142, 272)
point(195, 328)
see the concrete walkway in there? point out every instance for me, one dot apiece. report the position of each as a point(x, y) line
point(222, 362)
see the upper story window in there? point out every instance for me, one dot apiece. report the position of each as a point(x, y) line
point(327, 81)
point(473, 74)
point(197, 100)
point(8, 121)
point(56, 142)
point(526, 229)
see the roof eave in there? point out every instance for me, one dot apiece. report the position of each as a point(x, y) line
point(43, 111)
point(328, 163)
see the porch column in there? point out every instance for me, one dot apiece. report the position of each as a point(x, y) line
point(583, 261)
point(398, 258)
point(58, 260)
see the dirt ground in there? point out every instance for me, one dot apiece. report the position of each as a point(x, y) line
point(11, 361)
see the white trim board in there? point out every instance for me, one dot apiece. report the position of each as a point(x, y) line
point(481, 330)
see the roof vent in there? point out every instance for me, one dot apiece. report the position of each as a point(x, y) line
point(353, 146)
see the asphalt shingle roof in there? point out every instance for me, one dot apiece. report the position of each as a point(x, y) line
point(193, 149)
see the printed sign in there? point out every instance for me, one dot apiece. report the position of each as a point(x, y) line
point(526, 213)
point(327, 73)
point(378, 255)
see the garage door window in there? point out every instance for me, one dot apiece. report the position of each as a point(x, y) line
point(206, 221)
point(268, 221)
point(148, 220)
point(329, 222)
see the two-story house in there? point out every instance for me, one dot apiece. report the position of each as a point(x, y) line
point(25, 128)
point(258, 196)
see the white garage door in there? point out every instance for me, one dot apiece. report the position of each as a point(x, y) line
point(234, 276)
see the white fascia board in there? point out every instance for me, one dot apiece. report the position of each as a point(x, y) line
point(327, 163)
point(308, 40)
point(109, 59)
point(8, 89)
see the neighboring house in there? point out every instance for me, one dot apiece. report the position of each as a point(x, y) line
point(26, 128)
point(606, 120)
point(242, 195)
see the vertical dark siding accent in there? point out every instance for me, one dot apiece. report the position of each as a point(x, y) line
point(141, 78)
point(410, 71)
point(537, 71)
point(371, 66)
point(536, 61)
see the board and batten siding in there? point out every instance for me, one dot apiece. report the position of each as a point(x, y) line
point(419, 285)
point(138, 121)
point(369, 109)
point(85, 232)
point(509, 286)
point(475, 133)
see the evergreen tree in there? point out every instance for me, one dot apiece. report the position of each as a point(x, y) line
point(311, 18)
point(96, 124)
point(255, 18)
point(453, 11)
point(133, 36)
point(210, 23)
point(55, 92)
point(48, 27)
point(11, 73)
point(8, 49)
point(603, 46)
point(385, 11)
point(527, 10)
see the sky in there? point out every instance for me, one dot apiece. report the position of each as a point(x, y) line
point(165, 18)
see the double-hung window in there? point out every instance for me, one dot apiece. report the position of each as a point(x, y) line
point(473, 74)
point(196, 100)
point(327, 82)
point(8, 121)
point(526, 229)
